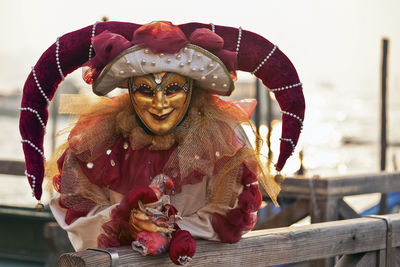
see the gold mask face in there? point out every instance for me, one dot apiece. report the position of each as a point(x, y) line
point(160, 100)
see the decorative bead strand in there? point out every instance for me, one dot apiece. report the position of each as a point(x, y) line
point(286, 87)
point(38, 85)
point(290, 141)
point(33, 182)
point(293, 115)
point(265, 59)
point(212, 27)
point(34, 147)
point(58, 58)
point(37, 115)
point(93, 34)
point(238, 40)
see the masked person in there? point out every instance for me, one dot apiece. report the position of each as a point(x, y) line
point(170, 160)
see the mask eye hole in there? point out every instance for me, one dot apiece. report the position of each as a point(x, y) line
point(145, 90)
point(173, 88)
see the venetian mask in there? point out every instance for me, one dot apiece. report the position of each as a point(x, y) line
point(160, 100)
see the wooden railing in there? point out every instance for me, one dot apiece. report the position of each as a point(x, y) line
point(363, 240)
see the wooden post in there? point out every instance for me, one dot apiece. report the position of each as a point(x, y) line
point(257, 113)
point(257, 116)
point(385, 45)
point(269, 123)
point(54, 116)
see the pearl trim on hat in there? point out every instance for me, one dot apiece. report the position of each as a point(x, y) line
point(33, 182)
point(58, 59)
point(34, 147)
point(238, 40)
point(286, 87)
point(93, 34)
point(290, 141)
point(38, 85)
point(36, 113)
point(293, 115)
point(265, 59)
point(212, 27)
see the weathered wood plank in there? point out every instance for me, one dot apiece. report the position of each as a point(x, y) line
point(347, 212)
point(359, 260)
point(268, 247)
point(291, 214)
point(12, 167)
point(385, 182)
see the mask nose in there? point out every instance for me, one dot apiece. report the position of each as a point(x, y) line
point(160, 101)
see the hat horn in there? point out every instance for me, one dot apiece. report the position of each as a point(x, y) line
point(68, 53)
point(262, 58)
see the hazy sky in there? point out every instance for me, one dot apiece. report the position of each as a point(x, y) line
point(331, 43)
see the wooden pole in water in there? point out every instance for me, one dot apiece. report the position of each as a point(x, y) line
point(54, 117)
point(385, 46)
point(257, 115)
point(269, 124)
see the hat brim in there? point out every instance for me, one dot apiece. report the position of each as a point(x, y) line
point(206, 69)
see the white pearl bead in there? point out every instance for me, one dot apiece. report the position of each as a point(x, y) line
point(108, 152)
point(153, 63)
point(89, 165)
point(143, 61)
point(215, 77)
point(193, 69)
point(203, 77)
point(121, 72)
point(161, 54)
point(213, 84)
point(211, 65)
point(178, 56)
point(168, 60)
point(189, 61)
point(181, 65)
point(201, 69)
point(225, 85)
point(146, 51)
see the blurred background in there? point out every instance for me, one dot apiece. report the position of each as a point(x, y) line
point(336, 47)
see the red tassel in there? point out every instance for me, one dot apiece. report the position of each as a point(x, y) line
point(182, 247)
point(250, 199)
point(226, 232)
point(243, 220)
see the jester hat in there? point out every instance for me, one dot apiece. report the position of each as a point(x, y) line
point(111, 52)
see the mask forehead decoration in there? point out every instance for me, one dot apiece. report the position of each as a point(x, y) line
point(160, 100)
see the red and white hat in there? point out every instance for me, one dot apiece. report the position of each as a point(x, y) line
point(208, 54)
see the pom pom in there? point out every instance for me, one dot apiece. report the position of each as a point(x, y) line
point(144, 194)
point(229, 58)
point(107, 46)
point(248, 177)
point(182, 247)
point(206, 39)
point(243, 220)
point(250, 199)
point(226, 232)
point(160, 37)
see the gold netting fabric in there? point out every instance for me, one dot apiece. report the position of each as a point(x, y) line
point(209, 142)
